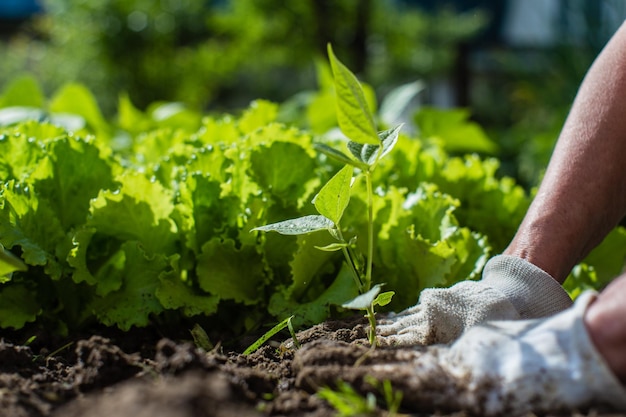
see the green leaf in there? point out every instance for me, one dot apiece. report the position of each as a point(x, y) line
point(317, 310)
point(490, 205)
point(23, 91)
point(140, 209)
point(19, 153)
point(205, 212)
point(299, 226)
point(367, 154)
point(76, 99)
point(130, 118)
point(420, 243)
point(18, 306)
point(608, 257)
point(334, 196)
point(231, 273)
point(353, 115)
point(383, 298)
point(174, 293)
point(363, 301)
point(71, 174)
point(201, 338)
point(454, 129)
point(135, 302)
point(31, 224)
point(398, 101)
point(601, 266)
point(259, 114)
point(389, 138)
point(283, 169)
point(309, 265)
point(371, 154)
point(9, 263)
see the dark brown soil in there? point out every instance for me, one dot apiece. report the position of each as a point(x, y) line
point(98, 376)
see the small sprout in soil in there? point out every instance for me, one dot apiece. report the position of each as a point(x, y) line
point(348, 402)
point(271, 332)
point(200, 338)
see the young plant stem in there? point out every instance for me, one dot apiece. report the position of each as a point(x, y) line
point(350, 262)
point(371, 334)
point(370, 254)
point(371, 317)
point(370, 230)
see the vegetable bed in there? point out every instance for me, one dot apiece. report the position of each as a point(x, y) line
point(135, 264)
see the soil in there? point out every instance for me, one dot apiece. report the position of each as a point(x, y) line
point(138, 373)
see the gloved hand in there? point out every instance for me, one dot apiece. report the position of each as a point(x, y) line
point(496, 368)
point(511, 288)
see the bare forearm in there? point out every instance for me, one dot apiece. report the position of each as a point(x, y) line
point(583, 194)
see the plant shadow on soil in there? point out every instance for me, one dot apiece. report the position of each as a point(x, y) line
point(135, 375)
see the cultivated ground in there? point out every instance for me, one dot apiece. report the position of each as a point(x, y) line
point(137, 374)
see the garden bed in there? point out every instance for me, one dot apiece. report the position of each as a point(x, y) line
point(141, 374)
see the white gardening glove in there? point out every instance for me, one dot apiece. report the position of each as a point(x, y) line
point(511, 288)
point(499, 368)
point(541, 365)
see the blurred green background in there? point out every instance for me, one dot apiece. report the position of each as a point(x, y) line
point(515, 65)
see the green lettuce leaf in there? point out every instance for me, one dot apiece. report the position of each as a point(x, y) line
point(70, 175)
point(140, 210)
point(231, 273)
point(22, 91)
point(18, 306)
point(135, 301)
point(20, 153)
point(306, 313)
point(176, 293)
point(284, 170)
point(30, 223)
point(454, 129)
point(77, 100)
point(9, 263)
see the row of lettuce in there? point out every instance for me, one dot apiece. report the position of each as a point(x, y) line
point(148, 219)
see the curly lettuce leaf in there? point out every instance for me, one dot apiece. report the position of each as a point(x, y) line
point(23, 91)
point(19, 154)
point(284, 170)
point(177, 293)
point(204, 212)
point(135, 301)
point(140, 210)
point(18, 306)
point(306, 313)
point(454, 130)
point(231, 273)
point(30, 223)
point(70, 175)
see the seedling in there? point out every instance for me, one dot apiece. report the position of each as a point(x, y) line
point(348, 402)
point(271, 332)
point(367, 147)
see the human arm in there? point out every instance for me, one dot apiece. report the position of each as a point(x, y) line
point(583, 194)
